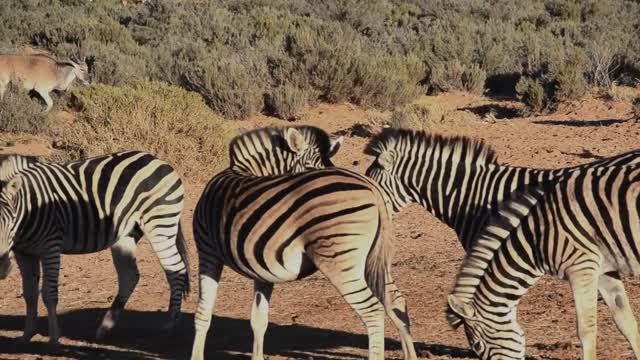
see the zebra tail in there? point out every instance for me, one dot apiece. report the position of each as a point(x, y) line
point(182, 250)
point(380, 256)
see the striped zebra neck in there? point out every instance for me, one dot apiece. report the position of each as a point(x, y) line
point(10, 165)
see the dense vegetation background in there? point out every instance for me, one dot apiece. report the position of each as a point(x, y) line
point(279, 56)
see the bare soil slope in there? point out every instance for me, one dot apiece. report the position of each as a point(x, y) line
point(308, 318)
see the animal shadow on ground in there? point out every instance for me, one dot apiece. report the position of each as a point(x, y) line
point(499, 111)
point(137, 336)
point(581, 123)
point(359, 130)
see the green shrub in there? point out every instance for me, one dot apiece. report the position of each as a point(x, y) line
point(159, 118)
point(568, 81)
point(19, 113)
point(532, 94)
point(286, 101)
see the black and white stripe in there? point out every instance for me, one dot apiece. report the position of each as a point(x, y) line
point(457, 179)
point(281, 228)
point(81, 207)
point(584, 229)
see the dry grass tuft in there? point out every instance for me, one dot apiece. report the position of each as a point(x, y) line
point(162, 119)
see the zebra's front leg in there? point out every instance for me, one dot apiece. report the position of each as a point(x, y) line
point(30, 270)
point(210, 273)
point(51, 272)
point(396, 307)
point(612, 290)
point(124, 260)
point(584, 285)
point(260, 316)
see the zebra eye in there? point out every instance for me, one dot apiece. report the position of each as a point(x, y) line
point(477, 347)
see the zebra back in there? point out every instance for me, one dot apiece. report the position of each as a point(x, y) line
point(282, 150)
point(457, 179)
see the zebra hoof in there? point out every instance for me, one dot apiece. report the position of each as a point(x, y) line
point(103, 332)
point(23, 340)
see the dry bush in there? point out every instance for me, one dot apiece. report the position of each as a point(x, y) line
point(419, 116)
point(616, 92)
point(636, 108)
point(532, 94)
point(453, 75)
point(19, 113)
point(568, 80)
point(287, 101)
point(156, 117)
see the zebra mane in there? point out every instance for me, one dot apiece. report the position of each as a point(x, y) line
point(11, 164)
point(263, 141)
point(391, 138)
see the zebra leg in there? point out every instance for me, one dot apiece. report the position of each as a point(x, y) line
point(351, 284)
point(210, 273)
point(51, 272)
point(30, 270)
point(396, 307)
point(163, 241)
point(612, 290)
point(584, 285)
point(124, 260)
point(260, 316)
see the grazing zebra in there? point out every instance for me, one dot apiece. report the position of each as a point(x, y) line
point(284, 227)
point(85, 206)
point(277, 151)
point(584, 229)
point(457, 179)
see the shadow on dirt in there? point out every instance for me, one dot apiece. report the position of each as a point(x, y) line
point(581, 123)
point(499, 111)
point(138, 337)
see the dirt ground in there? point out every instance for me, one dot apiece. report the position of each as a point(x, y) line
point(308, 318)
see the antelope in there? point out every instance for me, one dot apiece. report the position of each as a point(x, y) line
point(42, 73)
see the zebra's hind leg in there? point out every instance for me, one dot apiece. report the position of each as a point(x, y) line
point(30, 271)
point(396, 307)
point(584, 285)
point(124, 260)
point(163, 239)
point(349, 280)
point(612, 290)
point(51, 273)
point(210, 273)
point(260, 316)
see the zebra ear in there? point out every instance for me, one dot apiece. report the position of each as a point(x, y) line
point(335, 146)
point(13, 186)
point(461, 308)
point(297, 143)
point(385, 159)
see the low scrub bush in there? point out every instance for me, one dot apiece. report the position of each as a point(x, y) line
point(532, 94)
point(636, 108)
point(20, 113)
point(418, 116)
point(286, 101)
point(156, 117)
point(453, 75)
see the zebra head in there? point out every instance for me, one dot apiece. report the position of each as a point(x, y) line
point(490, 338)
point(386, 171)
point(278, 151)
point(8, 215)
point(312, 147)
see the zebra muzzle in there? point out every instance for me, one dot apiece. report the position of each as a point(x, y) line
point(5, 266)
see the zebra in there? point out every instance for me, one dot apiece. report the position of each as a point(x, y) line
point(584, 229)
point(285, 226)
point(457, 179)
point(277, 151)
point(81, 207)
